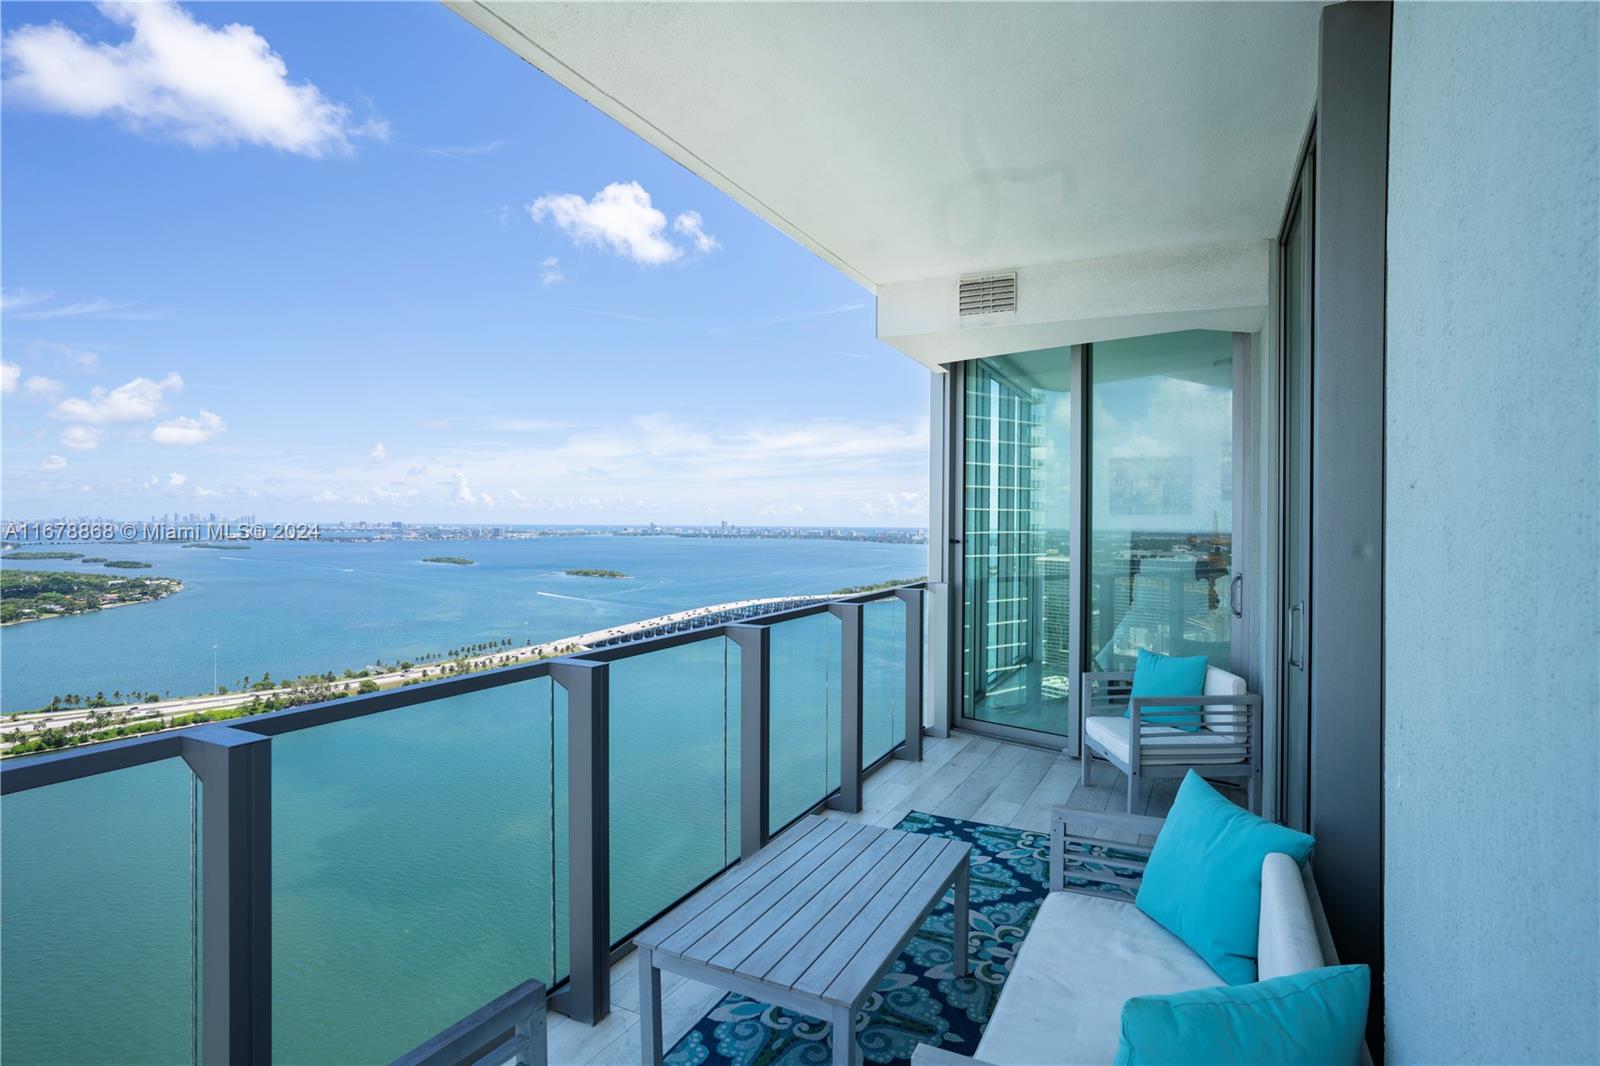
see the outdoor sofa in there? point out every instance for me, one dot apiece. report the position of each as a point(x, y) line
point(1090, 949)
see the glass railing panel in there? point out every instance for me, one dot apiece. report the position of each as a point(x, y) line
point(413, 854)
point(559, 796)
point(883, 678)
point(804, 735)
point(674, 776)
point(99, 926)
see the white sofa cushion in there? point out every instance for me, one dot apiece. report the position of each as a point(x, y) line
point(1082, 958)
point(1110, 731)
point(1288, 941)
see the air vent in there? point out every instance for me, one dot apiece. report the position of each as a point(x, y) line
point(987, 294)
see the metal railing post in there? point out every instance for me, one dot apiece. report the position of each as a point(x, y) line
point(235, 772)
point(850, 690)
point(912, 750)
point(755, 734)
point(587, 997)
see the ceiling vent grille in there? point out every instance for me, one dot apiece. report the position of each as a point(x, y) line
point(987, 294)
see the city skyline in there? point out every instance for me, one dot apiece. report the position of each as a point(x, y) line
point(206, 291)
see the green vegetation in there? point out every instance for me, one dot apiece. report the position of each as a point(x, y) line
point(453, 560)
point(596, 573)
point(27, 595)
point(99, 726)
point(856, 590)
point(43, 555)
point(129, 564)
point(221, 547)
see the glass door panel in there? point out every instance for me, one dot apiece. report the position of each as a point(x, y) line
point(1295, 637)
point(1017, 471)
point(1161, 487)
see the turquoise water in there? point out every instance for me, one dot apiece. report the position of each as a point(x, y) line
point(418, 854)
point(297, 608)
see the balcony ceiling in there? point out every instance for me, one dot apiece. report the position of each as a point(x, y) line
point(909, 141)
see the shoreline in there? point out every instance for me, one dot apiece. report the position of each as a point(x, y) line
point(30, 723)
point(97, 610)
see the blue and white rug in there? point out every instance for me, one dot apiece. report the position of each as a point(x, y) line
point(918, 1001)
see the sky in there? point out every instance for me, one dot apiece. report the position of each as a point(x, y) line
point(329, 261)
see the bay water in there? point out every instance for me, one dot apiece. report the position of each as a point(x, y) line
point(419, 854)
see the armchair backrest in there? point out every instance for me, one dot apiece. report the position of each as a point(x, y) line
point(1224, 719)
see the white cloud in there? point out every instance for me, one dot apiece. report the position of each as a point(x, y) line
point(185, 430)
point(619, 217)
point(52, 463)
point(464, 151)
point(463, 492)
point(99, 307)
point(81, 438)
point(905, 504)
point(135, 401)
point(690, 225)
point(20, 298)
point(379, 453)
point(10, 374)
point(41, 386)
point(177, 480)
point(177, 77)
point(551, 274)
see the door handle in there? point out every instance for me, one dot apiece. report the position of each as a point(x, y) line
point(1294, 635)
point(1233, 595)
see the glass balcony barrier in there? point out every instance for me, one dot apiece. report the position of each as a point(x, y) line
point(342, 880)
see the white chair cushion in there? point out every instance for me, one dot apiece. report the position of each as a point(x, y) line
point(1223, 719)
point(1110, 731)
point(1287, 942)
point(1081, 960)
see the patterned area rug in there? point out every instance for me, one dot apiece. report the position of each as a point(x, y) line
point(918, 1001)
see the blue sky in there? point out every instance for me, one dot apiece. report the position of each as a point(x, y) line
point(339, 261)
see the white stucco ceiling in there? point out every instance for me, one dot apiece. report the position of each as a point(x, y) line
point(902, 141)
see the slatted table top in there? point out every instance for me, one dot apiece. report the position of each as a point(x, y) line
point(819, 912)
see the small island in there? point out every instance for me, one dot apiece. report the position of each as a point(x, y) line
point(452, 560)
point(596, 573)
point(42, 555)
point(30, 595)
point(220, 547)
point(128, 564)
point(93, 559)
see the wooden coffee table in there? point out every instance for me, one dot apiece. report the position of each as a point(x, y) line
point(810, 922)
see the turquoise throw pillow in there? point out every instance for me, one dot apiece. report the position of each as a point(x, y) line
point(1169, 675)
point(1317, 1016)
point(1203, 878)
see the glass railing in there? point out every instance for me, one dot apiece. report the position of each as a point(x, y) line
point(98, 923)
point(883, 679)
point(805, 716)
point(674, 776)
point(340, 881)
point(412, 870)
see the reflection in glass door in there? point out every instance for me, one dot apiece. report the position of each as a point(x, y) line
point(1161, 498)
point(1016, 513)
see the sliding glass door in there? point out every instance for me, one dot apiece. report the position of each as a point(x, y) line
point(1015, 546)
point(1085, 537)
point(1161, 515)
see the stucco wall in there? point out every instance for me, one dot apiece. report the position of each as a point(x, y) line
point(1492, 580)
